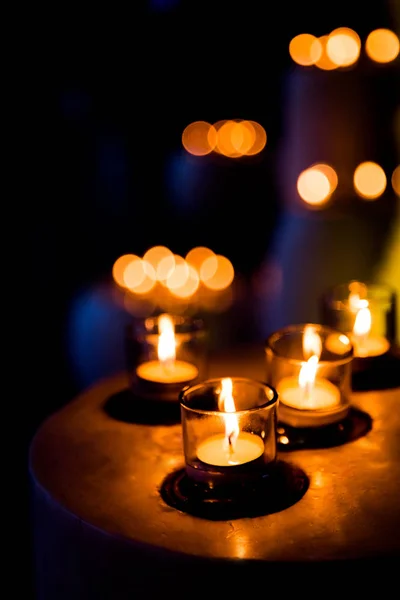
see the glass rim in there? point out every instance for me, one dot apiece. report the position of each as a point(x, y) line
point(256, 382)
point(300, 327)
point(196, 322)
point(374, 286)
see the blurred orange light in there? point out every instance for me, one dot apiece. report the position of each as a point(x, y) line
point(189, 286)
point(343, 46)
point(179, 275)
point(208, 268)
point(382, 45)
point(243, 136)
point(155, 254)
point(199, 138)
point(259, 139)
point(330, 174)
point(396, 180)
point(119, 267)
point(223, 274)
point(314, 186)
point(165, 267)
point(134, 273)
point(369, 180)
point(227, 136)
point(196, 256)
point(324, 62)
point(305, 49)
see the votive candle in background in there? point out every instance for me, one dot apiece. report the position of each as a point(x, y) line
point(312, 382)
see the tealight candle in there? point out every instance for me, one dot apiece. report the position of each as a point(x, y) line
point(366, 314)
point(312, 387)
point(229, 430)
point(215, 450)
point(366, 344)
point(323, 394)
point(163, 378)
point(179, 371)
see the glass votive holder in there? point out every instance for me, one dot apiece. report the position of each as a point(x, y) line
point(164, 354)
point(366, 313)
point(229, 431)
point(313, 382)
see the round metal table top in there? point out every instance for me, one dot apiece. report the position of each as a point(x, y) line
point(108, 473)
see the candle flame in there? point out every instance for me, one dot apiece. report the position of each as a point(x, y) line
point(312, 343)
point(312, 348)
point(307, 374)
point(355, 302)
point(226, 404)
point(166, 341)
point(363, 321)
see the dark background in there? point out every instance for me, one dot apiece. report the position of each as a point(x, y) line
point(108, 95)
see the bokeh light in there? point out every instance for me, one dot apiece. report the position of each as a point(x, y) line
point(396, 180)
point(196, 256)
point(139, 276)
point(316, 184)
point(118, 270)
point(382, 45)
point(179, 274)
point(199, 138)
point(167, 281)
point(223, 274)
point(165, 267)
point(233, 138)
point(324, 62)
point(330, 174)
point(305, 49)
point(259, 140)
point(369, 180)
point(343, 46)
point(189, 285)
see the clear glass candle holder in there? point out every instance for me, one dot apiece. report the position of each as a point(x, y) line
point(313, 381)
point(229, 431)
point(164, 354)
point(366, 313)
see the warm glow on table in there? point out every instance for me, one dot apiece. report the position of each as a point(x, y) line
point(177, 372)
point(216, 450)
point(322, 395)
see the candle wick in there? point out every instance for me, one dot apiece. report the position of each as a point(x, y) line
point(230, 442)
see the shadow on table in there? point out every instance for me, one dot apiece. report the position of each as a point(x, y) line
point(127, 407)
point(282, 486)
point(378, 374)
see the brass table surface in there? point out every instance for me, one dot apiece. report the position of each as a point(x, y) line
point(108, 473)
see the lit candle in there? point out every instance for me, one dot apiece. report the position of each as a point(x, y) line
point(365, 343)
point(166, 370)
point(308, 392)
point(234, 447)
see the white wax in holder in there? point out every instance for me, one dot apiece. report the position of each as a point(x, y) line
point(178, 371)
point(322, 395)
point(215, 450)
